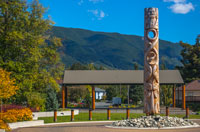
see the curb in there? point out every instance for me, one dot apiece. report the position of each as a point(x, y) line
point(50, 124)
point(16, 125)
point(153, 128)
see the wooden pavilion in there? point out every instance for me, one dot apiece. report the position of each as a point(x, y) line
point(118, 77)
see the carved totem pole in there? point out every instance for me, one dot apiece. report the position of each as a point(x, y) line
point(151, 63)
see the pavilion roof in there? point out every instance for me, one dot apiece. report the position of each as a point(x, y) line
point(115, 77)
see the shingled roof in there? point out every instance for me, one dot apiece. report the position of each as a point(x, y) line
point(111, 77)
point(193, 86)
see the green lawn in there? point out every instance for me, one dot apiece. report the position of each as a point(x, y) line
point(102, 117)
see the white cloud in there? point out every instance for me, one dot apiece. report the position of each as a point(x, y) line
point(99, 14)
point(80, 2)
point(96, 1)
point(175, 1)
point(102, 14)
point(180, 6)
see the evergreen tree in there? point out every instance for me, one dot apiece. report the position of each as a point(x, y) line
point(51, 100)
point(111, 92)
point(136, 92)
point(191, 61)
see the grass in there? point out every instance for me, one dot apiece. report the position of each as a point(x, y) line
point(103, 117)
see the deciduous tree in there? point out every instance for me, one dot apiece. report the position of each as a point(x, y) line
point(27, 48)
point(7, 85)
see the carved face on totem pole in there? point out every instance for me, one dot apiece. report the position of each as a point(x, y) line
point(151, 63)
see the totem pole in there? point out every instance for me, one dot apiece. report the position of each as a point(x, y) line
point(151, 63)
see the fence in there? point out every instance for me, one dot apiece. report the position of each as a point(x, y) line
point(102, 114)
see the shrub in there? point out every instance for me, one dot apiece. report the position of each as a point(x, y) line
point(15, 115)
point(36, 100)
point(3, 125)
point(132, 106)
point(110, 106)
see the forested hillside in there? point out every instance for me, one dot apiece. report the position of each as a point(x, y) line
point(111, 50)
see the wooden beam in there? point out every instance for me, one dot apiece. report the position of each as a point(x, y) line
point(127, 113)
point(66, 96)
point(90, 114)
point(178, 95)
point(93, 98)
point(55, 115)
point(187, 112)
point(174, 96)
point(108, 114)
point(183, 97)
point(72, 115)
point(167, 111)
point(63, 97)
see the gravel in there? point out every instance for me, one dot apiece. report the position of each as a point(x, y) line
point(154, 122)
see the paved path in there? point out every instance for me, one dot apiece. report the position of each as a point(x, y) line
point(93, 127)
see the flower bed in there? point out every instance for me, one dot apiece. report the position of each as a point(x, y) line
point(6, 107)
point(14, 115)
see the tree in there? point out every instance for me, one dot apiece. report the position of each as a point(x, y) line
point(78, 66)
point(166, 94)
point(111, 92)
point(36, 100)
point(136, 92)
point(190, 61)
point(27, 48)
point(7, 86)
point(136, 66)
point(51, 100)
point(165, 91)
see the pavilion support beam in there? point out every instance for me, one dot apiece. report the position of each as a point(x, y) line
point(93, 98)
point(63, 96)
point(66, 96)
point(178, 96)
point(183, 97)
point(174, 96)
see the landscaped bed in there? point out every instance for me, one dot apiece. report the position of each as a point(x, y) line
point(103, 117)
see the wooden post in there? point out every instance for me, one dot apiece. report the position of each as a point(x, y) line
point(187, 112)
point(108, 114)
point(63, 97)
point(183, 97)
point(66, 99)
point(167, 111)
point(72, 115)
point(128, 94)
point(178, 96)
point(127, 113)
point(93, 98)
point(90, 114)
point(55, 116)
point(174, 96)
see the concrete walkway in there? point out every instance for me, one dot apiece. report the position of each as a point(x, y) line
point(93, 127)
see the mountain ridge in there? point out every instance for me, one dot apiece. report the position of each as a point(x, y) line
point(111, 50)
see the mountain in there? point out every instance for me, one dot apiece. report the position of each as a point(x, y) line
point(111, 50)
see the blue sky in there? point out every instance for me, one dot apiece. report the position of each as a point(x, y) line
point(178, 19)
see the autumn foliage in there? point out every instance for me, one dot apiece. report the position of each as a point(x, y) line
point(7, 85)
point(14, 115)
